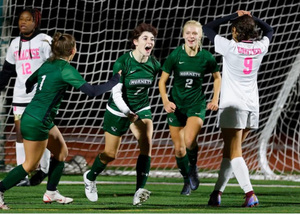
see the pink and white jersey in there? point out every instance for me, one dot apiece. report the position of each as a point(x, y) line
point(26, 64)
point(241, 62)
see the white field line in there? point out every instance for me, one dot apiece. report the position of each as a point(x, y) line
point(166, 183)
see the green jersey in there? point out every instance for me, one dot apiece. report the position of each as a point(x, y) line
point(53, 79)
point(188, 74)
point(136, 78)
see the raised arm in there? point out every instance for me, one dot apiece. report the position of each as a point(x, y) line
point(267, 29)
point(210, 29)
point(96, 90)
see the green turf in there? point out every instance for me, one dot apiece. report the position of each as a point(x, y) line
point(165, 197)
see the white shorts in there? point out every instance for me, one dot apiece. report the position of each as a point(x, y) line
point(237, 119)
point(18, 111)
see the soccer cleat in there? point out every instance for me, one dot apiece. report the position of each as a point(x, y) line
point(186, 190)
point(215, 199)
point(90, 188)
point(3, 206)
point(250, 201)
point(37, 178)
point(140, 196)
point(194, 178)
point(51, 196)
point(23, 183)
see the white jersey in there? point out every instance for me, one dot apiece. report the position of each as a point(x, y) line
point(26, 64)
point(241, 62)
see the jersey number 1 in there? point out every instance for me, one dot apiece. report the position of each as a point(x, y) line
point(42, 82)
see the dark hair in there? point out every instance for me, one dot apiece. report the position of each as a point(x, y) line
point(137, 32)
point(245, 27)
point(36, 15)
point(62, 45)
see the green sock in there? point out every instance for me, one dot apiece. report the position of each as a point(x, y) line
point(183, 165)
point(54, 175)
point(13, 177)
point(142, 170)
point(96, 169)
point(193, 155)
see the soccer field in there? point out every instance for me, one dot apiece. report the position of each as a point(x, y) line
point(116, 194)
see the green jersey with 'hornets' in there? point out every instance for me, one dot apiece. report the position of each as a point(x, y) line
point(188, 74)
point(136, 78)
point(53, 79)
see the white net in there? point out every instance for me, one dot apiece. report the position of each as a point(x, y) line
point(102, 29)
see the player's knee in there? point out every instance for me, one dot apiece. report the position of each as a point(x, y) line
point(180, 151)
point(30, 167)
point(106, 158)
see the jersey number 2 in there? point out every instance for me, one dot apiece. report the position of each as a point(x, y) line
point(248, 62)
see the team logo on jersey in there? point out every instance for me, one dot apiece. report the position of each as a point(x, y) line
point(132, 71)
point(114, 128)
point(189, 74)
point(171, 120)
point(140, 82)
point(180, 63)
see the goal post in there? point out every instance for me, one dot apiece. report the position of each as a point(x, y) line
point(102, 29)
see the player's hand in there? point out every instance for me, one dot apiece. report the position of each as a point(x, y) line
point(132, 117)
point(212, 106)
point(120, 72)
point(243, 12)
point(170, 107)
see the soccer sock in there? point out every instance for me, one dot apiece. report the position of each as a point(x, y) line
point(20, 153)
point(13, 177)
point(45, 161)
point(225, 174)
point(96, 169)
point(193, 155)
point(54, 174)
point(241, 173)
point(183, 165)
point(142, 170)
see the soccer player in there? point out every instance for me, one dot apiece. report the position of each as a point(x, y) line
point(52, 78)
point(239, 101)
point(187, 104)
point(129, 107)
point(25, 55)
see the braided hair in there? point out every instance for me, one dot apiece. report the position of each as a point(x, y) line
point(36, 15)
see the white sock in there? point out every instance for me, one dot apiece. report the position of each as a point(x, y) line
point(241, 173)
point(20, 153)
point(225, 174)
point(45, 161)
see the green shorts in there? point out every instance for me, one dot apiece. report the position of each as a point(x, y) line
point(117, 125)
point(180, 116)
point(33, 129)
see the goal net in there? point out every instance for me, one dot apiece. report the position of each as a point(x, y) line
point(102, 29)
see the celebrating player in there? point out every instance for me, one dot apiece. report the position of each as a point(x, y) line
point(128, 107)
point(239, 101)
point(25, 55)
point(52, 78)
point(187, 105)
